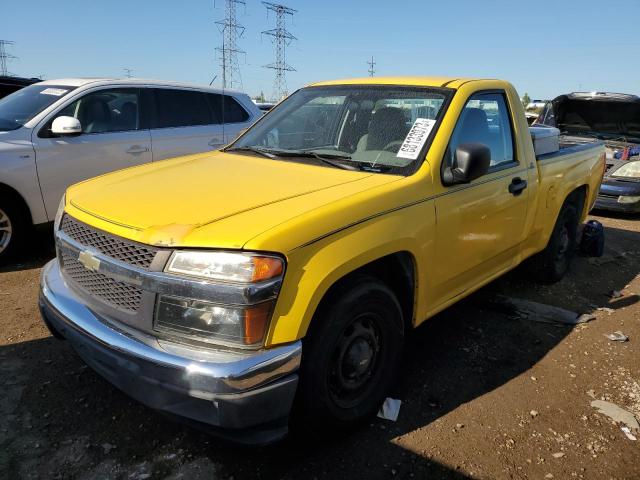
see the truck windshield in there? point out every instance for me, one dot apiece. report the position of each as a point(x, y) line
point(355, 127)
point(21, 106)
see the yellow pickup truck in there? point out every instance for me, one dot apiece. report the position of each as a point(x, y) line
point(284, 271)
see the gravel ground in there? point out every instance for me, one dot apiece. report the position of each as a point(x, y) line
point(485, 394)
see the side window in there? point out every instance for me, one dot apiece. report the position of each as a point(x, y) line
point(180, 108)
point(226, 109)
point(104, 111)
point(485, 119)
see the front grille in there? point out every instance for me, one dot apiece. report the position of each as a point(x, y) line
point(118, 294)
point(133, 254)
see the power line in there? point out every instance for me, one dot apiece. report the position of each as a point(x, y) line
point(5, 57)
point(231, 32)
point(371, 64)
point(282, 38)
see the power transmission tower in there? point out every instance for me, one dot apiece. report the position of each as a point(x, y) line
point(231, 31)
point(282, 38)
point(371, 64)
point(5, 57)
point(128, 72)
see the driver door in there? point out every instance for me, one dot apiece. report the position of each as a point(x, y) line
point(481, 225)
point(113, 137)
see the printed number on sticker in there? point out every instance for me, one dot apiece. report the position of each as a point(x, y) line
point(416, 138)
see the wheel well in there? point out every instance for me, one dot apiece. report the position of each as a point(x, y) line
point(396, 271)
point(578, 198)
point(8, 192)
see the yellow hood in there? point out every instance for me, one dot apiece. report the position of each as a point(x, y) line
point(210, 200)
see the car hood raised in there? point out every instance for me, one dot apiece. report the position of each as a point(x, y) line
point(212, 198)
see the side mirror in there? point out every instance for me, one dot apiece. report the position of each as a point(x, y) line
point(66, 126)
point(472, 160)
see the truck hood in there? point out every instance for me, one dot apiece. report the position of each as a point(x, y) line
point(174, 201)
point(605, 116)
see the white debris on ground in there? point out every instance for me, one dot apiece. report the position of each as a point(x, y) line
point(390, 409)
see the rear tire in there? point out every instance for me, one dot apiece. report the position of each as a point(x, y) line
point(13, 228)
point(350, 356)
point(551, 264)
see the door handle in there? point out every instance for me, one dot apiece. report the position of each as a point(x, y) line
point(516, 186)
point(137, 149)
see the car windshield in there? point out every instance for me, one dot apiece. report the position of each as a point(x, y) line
point(355, 127)
point(21, 106)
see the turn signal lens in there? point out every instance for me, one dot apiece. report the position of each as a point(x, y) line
point(265, 268)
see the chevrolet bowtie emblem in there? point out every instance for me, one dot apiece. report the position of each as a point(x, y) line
point(90, 262)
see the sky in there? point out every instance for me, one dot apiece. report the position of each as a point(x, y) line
point(545, 48)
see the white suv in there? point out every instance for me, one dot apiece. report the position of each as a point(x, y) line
point(59, 132)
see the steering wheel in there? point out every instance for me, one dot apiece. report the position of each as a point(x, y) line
point(393, 146)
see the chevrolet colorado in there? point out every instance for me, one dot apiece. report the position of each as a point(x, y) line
point(288, 268)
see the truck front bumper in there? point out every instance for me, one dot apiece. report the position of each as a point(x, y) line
point(244, 396)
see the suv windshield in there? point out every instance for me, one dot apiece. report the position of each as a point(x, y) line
point(21, 106)
point(353, 127)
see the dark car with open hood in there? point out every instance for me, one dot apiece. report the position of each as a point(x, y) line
point(615, 119)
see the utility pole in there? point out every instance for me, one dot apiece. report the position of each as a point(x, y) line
point(231, 31)
point(5, 57)
point(128, 72)
point(282, 38)
point(371, 64)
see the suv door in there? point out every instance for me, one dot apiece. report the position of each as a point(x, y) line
point(230, 112)
point(114, 136)
point(481, 225)
point(182, 123)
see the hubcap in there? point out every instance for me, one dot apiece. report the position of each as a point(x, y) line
point(354, 361)
point(5, 230)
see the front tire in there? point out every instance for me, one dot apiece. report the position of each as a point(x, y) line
point(12, 229)
point(351, 355)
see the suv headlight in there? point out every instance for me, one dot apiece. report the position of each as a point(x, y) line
point(58, 219)
point(631, 169)
point(215, 322)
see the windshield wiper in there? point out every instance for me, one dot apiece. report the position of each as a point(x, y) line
point(262, 151)
point(327, 158)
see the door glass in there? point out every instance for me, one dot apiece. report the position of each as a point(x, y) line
point(485, 119)
point(181, 108)
point(226, 109)
point(115, 110)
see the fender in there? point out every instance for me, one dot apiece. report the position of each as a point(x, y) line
point(314, 268)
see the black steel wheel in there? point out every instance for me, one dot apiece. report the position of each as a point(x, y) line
point(350, 355)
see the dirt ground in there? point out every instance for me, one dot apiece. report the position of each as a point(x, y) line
point(484, 395)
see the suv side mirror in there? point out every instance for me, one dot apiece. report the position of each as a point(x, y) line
point(66, 126)
point(472, 160)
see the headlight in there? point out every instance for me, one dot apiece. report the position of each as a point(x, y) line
point(225, 266)
point(213, 323)
point(631, 169)
point(58, 219)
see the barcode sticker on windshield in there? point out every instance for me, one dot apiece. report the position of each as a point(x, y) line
point(53, 91)
point(416, 138)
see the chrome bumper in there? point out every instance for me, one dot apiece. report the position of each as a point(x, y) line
point(249, 394)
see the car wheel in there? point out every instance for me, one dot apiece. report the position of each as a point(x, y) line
point(351, 354)
point(12, 228)
point(550, 265)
